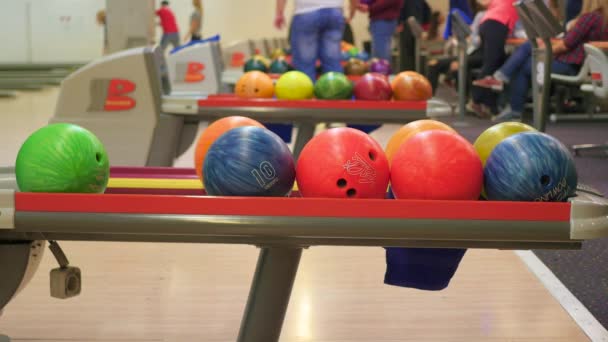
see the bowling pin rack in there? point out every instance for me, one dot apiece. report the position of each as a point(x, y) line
point(281, 228)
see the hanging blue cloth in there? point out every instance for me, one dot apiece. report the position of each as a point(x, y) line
point(429, 269)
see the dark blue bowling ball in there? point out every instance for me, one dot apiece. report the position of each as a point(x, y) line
point(530, 166)
point(249, 161)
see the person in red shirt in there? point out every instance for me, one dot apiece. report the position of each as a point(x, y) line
point(169, 25)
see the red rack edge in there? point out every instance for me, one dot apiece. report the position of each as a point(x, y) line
point(291, 207)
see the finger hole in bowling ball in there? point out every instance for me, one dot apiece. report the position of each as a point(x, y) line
point(372, 155)
point(351, 192)
point(545, 180)
point(341, 182)
point(98, 157)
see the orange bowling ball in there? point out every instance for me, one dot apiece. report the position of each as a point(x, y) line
point(254, 84)
point(214, 131)
point(408, 131)
point(411, 86)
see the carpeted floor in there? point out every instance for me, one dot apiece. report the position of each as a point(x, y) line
point(583, 272)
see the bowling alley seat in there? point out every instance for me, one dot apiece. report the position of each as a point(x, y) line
point(597, 86)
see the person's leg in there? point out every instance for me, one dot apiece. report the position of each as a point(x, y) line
point(520, 86)
point(517, 59)
point(494, 36)
point(521, 83)
point(407, 59)
point(174, 39)
point(437, 67)
point(332, 26)
point(164, 42)
point(304, 42)
point(382, 33)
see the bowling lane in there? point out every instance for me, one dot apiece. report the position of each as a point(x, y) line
point(138, 291)
point(175, 292)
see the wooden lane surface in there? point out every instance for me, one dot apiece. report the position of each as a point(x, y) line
point(184, 292)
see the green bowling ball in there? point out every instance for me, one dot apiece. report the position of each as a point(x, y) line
point(62, 158)
point(333, 86)
point(255, 64)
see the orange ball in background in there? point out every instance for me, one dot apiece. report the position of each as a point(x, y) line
point(409, 130)
point(214, 131)
point(411, 86)
point(254, 84)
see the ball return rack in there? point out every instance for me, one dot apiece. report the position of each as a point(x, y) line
point(280, 227)
point(146, 109)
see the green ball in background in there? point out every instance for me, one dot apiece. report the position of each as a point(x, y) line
point(354, 51)
point(279, 66)
point(62, 158)
point(255, 64)
point(333, 86)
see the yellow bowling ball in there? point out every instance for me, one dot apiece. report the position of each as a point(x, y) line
point(492, 136)
point(294, 85)
point(263, 59)
point(276, 53)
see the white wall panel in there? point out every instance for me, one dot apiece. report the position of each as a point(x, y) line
point(65, 31)
point(14, 33)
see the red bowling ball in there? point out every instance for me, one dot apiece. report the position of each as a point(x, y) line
point(374, 87)
point(342, 163)
point(439, 165)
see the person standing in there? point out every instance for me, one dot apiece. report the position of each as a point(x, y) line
point(101, 20)
point(496, 26)
point(316, 33)
point(383, 20)
point(407, 43)
point(169, 26)
point(196, 22)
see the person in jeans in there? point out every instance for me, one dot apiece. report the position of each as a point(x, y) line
point(169, 25)
point(514, 63)
point(496, 26)
point(384, 17)
point(503, 75)
point(317, 28)
point(591, 25)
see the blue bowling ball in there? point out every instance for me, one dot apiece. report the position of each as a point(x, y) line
point(530, 166)
point(249, 161)
point(362, 55)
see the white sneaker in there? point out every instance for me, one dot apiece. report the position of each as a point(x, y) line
point(507, 116)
